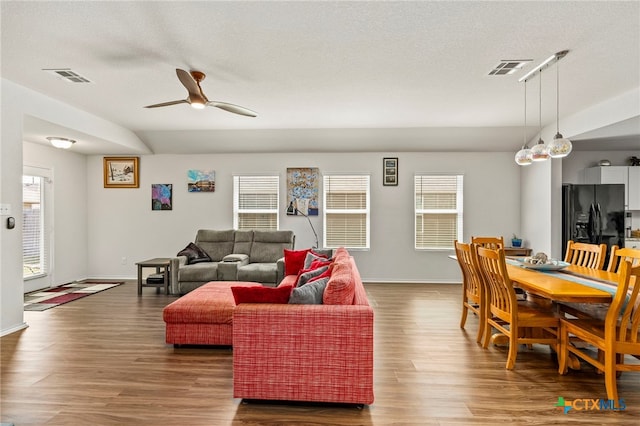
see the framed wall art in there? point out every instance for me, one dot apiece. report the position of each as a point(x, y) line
point(161, 196)
point(121, 172)
point(201, 181)
point(390, 171)
point(302, 191)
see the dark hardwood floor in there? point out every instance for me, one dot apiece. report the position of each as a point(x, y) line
point(102, 360)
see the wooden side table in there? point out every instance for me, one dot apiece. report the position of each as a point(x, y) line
point(517, 251)
point(162, 265)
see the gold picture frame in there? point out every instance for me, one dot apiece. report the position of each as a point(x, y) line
point(121, 172)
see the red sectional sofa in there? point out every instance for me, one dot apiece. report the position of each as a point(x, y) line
point(317, 353)
point(203, 316)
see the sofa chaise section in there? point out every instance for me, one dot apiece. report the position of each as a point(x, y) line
point(316, 353)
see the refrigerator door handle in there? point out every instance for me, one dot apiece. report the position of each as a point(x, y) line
point(591, 231)
point(599, 222)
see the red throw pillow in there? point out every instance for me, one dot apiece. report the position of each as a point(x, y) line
point(320, 263)
point(325, 274)
point(340, 289)
point(261, 294)
point(294, 261)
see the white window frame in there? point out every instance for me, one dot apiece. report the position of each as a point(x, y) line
point(457, 211)
point(237, 211)
point(327, 211)
point(44, 278)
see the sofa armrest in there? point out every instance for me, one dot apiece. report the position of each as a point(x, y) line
point(228, 268)
point(174, 267)
point(241, 259)
point(279, 270)
point(318, 353)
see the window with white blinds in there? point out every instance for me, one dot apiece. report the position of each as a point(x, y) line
point(346, 211)
point(34, 256)
point(255, 202)
point(438, 207)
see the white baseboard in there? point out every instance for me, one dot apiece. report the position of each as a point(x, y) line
point(14, 329)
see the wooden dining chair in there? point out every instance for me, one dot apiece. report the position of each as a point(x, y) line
point(496, 243)
point(618, 335)
point(587, 255)
point(473, 297)
point(488, 242)
point(521, 322)
point(618, 255)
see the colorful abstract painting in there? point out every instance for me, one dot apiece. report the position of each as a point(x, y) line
point(201, 180)
point(302, 191)
point(161, 196)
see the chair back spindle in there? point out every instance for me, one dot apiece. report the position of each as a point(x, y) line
point(587, 255)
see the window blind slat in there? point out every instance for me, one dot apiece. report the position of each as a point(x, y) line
point(438, 210)
point(256, 202)
point(346, 211)
point(34, 247)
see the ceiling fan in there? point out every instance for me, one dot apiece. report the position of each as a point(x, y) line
point(197, 99)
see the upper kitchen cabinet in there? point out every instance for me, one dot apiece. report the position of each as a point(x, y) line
point(633, 190)
point(629, 176)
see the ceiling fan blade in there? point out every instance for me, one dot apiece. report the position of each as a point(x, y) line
point(189, 83)
point(236, 109)
point(183, 101)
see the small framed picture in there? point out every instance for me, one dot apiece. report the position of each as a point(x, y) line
point(121, 172)
point(161, 196)
point(390, 171)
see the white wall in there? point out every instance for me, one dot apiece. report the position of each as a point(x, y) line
point(18, 102)
point(11, 298)
point(122, 224)
point(70, 209)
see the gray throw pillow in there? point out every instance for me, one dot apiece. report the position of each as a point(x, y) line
point(306, 276)
point(308, 260)
point(309, 294)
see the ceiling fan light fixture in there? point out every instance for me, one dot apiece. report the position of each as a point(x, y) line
point(62, 143)
point(197, 105)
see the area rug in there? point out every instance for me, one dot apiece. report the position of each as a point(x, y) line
point(55, 296)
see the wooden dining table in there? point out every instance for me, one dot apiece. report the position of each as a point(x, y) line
point(572, 284)
point(558, 286)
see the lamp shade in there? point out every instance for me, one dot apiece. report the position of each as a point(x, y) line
point(539, 152)
point(559, 147)
point(62, 143)
point(524, 156)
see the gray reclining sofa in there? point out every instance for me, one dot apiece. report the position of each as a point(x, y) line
point(250, 255)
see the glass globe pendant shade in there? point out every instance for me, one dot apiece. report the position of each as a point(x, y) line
point(524, 156)
point(559, 147)
point(539, 152)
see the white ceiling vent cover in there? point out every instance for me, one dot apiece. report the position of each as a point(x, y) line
point(67, 75)
point(506, 67)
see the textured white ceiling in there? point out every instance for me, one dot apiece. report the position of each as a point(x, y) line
point(322, 65)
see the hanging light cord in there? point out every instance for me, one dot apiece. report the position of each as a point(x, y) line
point(557, 97)
point(540, 115)
point(524, 138)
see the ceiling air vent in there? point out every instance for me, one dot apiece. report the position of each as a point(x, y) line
point(506, 67)
point(67, 75)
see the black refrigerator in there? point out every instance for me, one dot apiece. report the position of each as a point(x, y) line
point(593, 214)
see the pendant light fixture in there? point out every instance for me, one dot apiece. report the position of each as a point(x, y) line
point(523, 157)
point(539, 152)
point(560, 146)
